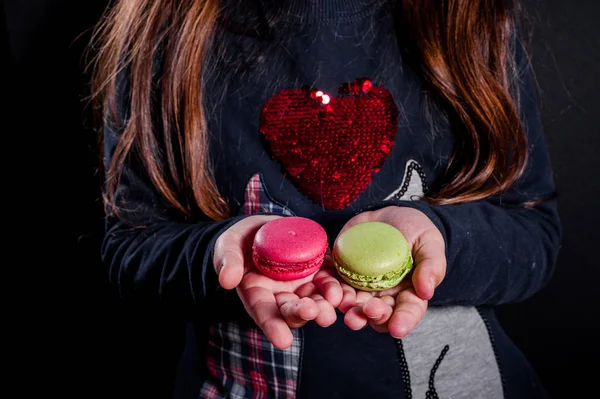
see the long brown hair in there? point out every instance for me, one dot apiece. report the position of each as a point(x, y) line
point(461, 48)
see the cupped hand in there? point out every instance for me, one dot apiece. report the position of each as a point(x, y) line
point(275, 306)
point(399, 309)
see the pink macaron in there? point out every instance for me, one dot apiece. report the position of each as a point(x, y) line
point(289, 248)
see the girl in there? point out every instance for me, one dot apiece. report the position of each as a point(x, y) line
point(220, 115)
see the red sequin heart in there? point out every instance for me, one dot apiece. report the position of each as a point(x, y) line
point(330, 147)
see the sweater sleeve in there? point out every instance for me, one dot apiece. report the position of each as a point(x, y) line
point(154, 256)
point(498, 250)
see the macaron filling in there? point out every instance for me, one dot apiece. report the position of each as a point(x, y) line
point(381, 282)
point(283, 267)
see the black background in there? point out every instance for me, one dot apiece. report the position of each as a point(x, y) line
point(75, 338)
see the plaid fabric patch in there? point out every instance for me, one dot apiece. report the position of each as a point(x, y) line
point(244, 364)
point(258, 200)
point(241, 361)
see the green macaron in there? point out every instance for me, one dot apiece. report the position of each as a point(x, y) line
point(372, 256)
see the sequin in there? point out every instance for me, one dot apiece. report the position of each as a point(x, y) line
point(331, 149)
point(366, 86)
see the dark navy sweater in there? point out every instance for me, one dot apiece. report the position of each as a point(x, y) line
point(497, 250)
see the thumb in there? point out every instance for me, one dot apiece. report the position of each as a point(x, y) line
point(430, 269)
point(231, 249)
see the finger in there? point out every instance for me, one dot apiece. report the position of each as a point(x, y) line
point(296, 311)
point(327, 314)
point(306, 290)
point(409, 311)
point(380, 328)
point(262, 307)
point(393, 292)
point(355, 318)
point(231, 247)
point(329, 286)
point(430, 261)
point(381, 324)
point(363, 297)
point(389, 300)
point(348, 299)
point(377, 311)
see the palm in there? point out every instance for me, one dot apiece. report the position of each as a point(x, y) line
point(253, 278)
point(276, 306)
point(398, 310)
